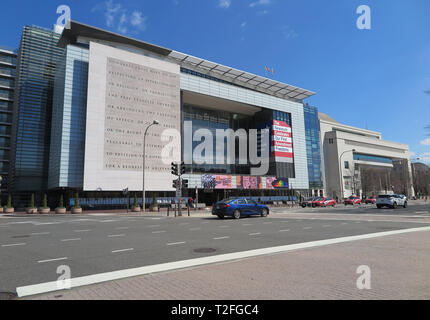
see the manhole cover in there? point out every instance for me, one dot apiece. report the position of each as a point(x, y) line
point(19, 237)
point(7, 296)
point(205, 250)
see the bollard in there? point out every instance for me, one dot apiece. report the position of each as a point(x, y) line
point(168, 211)
point(188, 210)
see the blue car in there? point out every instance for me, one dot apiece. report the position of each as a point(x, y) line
point(238, 207)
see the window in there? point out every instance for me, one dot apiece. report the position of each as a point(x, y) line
point(346, 164)
point(331, 141)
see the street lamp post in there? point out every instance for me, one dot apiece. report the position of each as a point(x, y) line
point(340, 173)
point(154, 123)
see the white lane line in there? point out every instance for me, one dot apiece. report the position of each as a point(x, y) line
point(195, 229)
point(52, 260)
point(40, 233)
point(344, 223)
point(156, 232)
point(286, 230)
point(221, 238)
point(68, 240)
point(205, 222)
point(255, 234)
point(357, 222)
point(116, 235)
point(13, 245)
point(307, 228)
point(247, 225)
point(123, 250)
point(122, 228)
point(326, 226)
point(267, 222)
point(183, 224)
point(154, 226)
point(78, 231)
point(104, 221)
point(128, 273)
point(224, 226)
point(176, 243)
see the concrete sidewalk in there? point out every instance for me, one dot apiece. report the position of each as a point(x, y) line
point(399, 265)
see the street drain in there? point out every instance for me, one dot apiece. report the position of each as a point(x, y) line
point(205, 250)
point(7, 296)
point(19, 237)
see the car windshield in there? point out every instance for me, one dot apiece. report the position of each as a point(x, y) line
point(225, 201)
point(384, 196)
point(317, 199)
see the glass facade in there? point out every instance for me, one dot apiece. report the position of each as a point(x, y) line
point(37, 60)
point(66, 162)
point(365, 157)
point(313, 147)
point(7, 90)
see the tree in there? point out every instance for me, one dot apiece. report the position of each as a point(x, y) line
point(61, 205)
point(77, 206)
point(45, 201)
point(32, 201)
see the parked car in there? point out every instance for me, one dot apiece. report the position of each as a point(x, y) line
point(392, 201)
point(370, 200)
point(238, 207)
point(324, 202)
point(352, 200)
point(306, 202)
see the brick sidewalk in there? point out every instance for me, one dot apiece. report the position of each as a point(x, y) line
point(400, 268)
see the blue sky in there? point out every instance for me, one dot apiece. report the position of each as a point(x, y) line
point(371, 77)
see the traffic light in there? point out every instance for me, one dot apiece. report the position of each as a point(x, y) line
point(175, 184)
point(184, 184)
point(182, 167)
point(175, 170)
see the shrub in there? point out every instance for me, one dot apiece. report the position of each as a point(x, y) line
point(77, 206)
point(32, 201)
point(45, 201)
point(61, 202)
point(9, 202)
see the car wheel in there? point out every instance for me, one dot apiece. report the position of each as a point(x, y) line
point(236, 214)
point(394, 205)
point(221, 216)
point(264, 213)
point(405, 205)
point(378, 206)
point(303, 206)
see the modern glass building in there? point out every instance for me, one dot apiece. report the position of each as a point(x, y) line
point(86, 96)
point(7, 88)
point(313, 149)
point(37, 60)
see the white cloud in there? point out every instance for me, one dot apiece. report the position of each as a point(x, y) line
point(120, 18)
point(225, 4)
point(289, 33)
point(426, 142)
point(243, 24)
point(260, 3)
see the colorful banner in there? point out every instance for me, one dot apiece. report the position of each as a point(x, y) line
point(282, 142)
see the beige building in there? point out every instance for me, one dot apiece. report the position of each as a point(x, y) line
point(359, 162)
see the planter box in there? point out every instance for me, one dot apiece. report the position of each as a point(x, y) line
point(154, 209)
point(60, 210)
point(136, 209)
point(9, 210)
point(44, 210)
point(31, 210)
point(1, 209)
point(76, 210)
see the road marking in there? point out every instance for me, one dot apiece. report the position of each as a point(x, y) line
point(40, 233)
point(255, 234)
point(307, 228)
point(221, 238)
point(82, 230)
point(13, 245)
point(116, 235)
point(195, 229)
point(176, 243)
point(326, 226)
point(344, 223)
point(122, 228)
point(156, 232)
point(224, 226)
point(52, 260)
point(68, 240)
point(154, 226)
point(206, 222)
point(104, 221)
point(183, 224)
point(128, 273)
point(246, 225)
point(123, 250)
point(284, 230)
point(267, 222)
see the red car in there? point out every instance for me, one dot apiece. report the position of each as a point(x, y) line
point(353, 200)
point(324, 202)
point(370, 200)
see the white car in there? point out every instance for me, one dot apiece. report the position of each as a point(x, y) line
point(392, 201)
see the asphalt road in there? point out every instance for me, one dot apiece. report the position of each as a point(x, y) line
point(32, 247)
